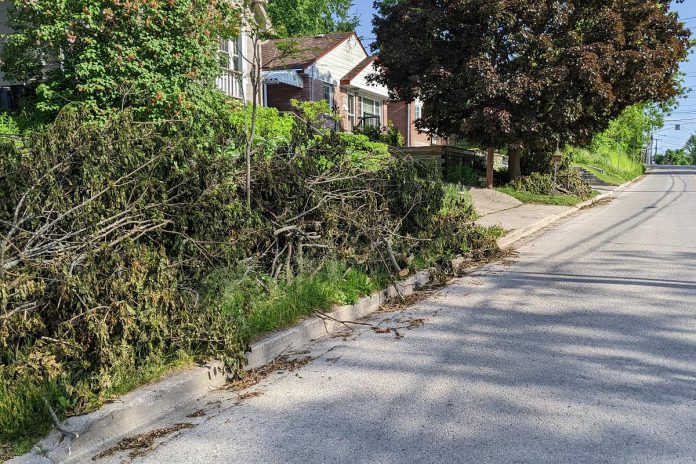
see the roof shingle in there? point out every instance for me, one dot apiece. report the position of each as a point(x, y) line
point(307, 50)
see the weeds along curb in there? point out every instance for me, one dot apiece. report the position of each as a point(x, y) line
point(510, 239)
point(146, 404)
point(271, 347)
point(130, 412)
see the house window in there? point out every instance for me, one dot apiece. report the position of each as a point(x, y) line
point(351, 109)
point(328, 94)
point(419, 110)
point(230, 81)
point(370, 112)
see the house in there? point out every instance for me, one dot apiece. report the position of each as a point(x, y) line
point(332, 67)
point(404, 115)
point(234, 79)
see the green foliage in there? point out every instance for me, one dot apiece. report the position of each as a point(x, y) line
point(558, 199)
point(159, 58)
point(568, 181)
point(690, 148)
point(363, 152)
point(520, 73)
point(106, 230)
point(462, 174)
point(391, 136)
point(112, 230)
point(8, 124)
point(627, 133)
point(298, 18)
point(677, 157)
point(261, 304)
point(615, 169)
point(273, 129)
point(315, 113)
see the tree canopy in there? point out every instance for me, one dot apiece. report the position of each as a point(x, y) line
point(157, 57)
point(296, 18)
point(677, 157)
point(505, 73)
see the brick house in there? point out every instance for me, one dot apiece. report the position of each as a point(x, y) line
point(404, 116)
point(332, 67)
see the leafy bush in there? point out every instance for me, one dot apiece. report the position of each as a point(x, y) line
point(462, 174)
point(362, 150)
point(568, 181)
point(391, 136)
point(159, 58)
point(273, 129)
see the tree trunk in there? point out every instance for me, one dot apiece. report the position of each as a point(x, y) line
point(514, 168)
point(255, 86)
point(489, 168)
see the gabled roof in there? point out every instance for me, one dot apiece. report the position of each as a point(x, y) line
point(345, 80)
point(307, 50)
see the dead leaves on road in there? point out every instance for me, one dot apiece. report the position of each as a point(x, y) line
point(140, 445)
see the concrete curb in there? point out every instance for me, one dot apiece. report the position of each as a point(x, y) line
point(134, 410)
point(508, 240)
point(269, 348)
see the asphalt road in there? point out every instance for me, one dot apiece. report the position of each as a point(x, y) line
point(582, 350)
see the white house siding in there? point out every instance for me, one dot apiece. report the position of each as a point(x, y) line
point(338, 62)
point(360, 82)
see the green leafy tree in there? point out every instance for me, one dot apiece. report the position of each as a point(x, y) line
point(627, 134)
point(158, 57)
point(690, 149)
point(676, 157)
point(296, 18)
point(529, 72)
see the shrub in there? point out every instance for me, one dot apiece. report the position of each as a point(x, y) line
point(462, 174)
point(568, 181)
point(273, 129)
point(391, 136)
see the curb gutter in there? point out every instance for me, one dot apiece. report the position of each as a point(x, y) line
point(116, 420)
point(144, 405)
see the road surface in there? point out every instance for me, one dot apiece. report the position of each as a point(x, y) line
point(582, 350)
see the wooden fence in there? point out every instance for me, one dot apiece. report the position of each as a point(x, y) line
point(448, 157)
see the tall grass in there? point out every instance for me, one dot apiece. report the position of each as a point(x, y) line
point(617, 168)
point(260, 304)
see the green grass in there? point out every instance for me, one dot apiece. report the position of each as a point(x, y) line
point(616, 169)
point(604, 176)
point(524, 197)
point(496, 231)
point(261, 305)
point(24, 418)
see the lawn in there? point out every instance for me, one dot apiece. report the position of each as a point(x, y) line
point(607, 166)
point(560, 200)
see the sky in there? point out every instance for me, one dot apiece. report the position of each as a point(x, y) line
point(667, 137)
